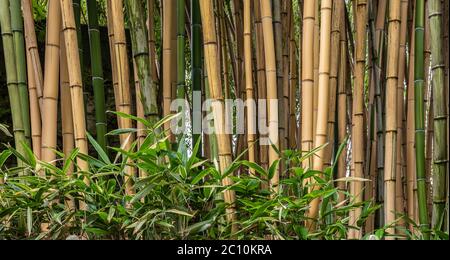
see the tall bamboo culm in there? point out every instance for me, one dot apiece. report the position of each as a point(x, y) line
point(32, 50)
point(391, 118)
point(440, 156)
point(51, 82)
point(21, 65)
point(75, 80)
point(271, 80)
point(97, 73)
point(358, 111)
point(216, 95)
point(324, 93)
point(35, 80)
point(196, 74)
point(123, 83)
point(420, 115)
point(169, 27)
point(11, 76)
point(308, 78)
point(251, 109)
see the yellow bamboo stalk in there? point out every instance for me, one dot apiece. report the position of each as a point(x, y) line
point(271, 79)
point(33, 52)
point(342, 109)
point(251, 110)
point(324, 93)
point(400, 200)
point(410, 137)
point(168, 50)
point(216, 95)
point(51, 83)
point(391, 113)
point(308, 78)
point(123, 87)
point(66, 113)
point(75, 80)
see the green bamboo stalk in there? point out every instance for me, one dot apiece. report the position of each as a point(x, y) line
point(21, 67)
point(196, 60)
point(139, 38)
point(440, 117)
point(420, 117)
point(181, 66)
point(97, 73)
point(11, 76)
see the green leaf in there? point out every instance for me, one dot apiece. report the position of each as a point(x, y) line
point(273, 169)
point(29, 221)
point(101, 153)
point(4, 129)
point(179, 212)
point(4, 156)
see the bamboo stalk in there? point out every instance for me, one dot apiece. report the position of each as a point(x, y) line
point(324, 93)
point(401, 156)
point(419, 116)
point(391, 115)
point(76, 85)
point(51, 82)
point(35, 81)
point(168, 53)
point(215, 88)
point(148, 91)
point(123, 88)
point(66, 105)
point(338, 12)
point(410, 135)
point(440, 157)
point(181, 63)
point(261, 79)
point(32, 49)
point(308, 78)
point(251, 109)
point(11, 77)
point(342, 109)
point(271, 80)
point(358, 112)
point(97, 73)
point(21, 66)
point(196, 74)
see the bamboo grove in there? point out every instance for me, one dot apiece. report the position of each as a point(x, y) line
point(361, 85)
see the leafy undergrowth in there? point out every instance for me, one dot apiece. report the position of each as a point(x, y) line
point(180, 197)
